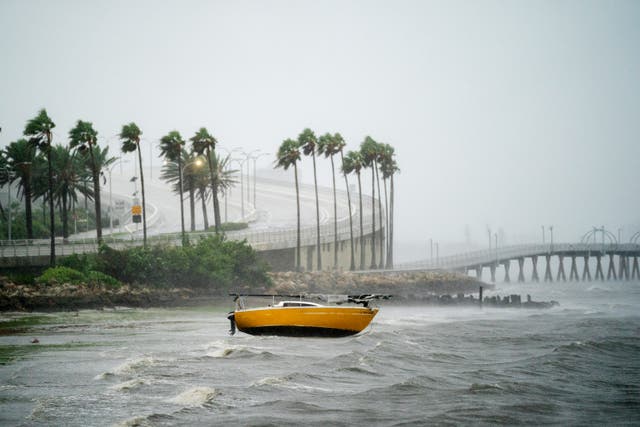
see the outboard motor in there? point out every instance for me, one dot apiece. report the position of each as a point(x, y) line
point(232, 320)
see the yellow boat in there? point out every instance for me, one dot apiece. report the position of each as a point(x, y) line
point(304, 319)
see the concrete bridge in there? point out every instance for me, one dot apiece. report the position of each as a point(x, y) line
point(619, 260)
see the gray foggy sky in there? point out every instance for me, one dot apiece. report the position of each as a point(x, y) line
point(510, 114)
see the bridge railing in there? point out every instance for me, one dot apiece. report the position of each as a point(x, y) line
point(496, 256)
point(271, 238)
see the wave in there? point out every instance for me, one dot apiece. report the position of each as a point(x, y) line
point(128, 385)
point(196, 396)
point(145, 420)
point(240, 352)
point(133, 365)
point(479, 387)
point(295, 381)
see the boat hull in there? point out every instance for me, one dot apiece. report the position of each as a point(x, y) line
point(304, 321)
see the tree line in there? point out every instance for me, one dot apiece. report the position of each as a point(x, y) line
point(378, 157)
point(57, 174)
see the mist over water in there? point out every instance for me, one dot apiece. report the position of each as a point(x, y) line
point(576, 363)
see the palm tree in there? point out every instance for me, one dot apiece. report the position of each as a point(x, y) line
point(84, 138)
point(307, 141)
point(130, 138)
point(288, 155)
point(226, 176)
point(353, 163)
point(171, 149)
point(389, 168)
point(20, 156)
point(68, 179)
point(339, 147)
point(171, 174)
point(369, 151)
point(4, 179)
point(39, 131)
point(204, 143)
point(328, 145)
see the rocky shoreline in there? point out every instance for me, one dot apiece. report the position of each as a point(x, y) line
point(65, 296)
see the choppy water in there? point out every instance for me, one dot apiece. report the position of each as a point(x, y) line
point(578, 363)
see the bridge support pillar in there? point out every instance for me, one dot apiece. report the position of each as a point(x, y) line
point(479, 272)
point(599, 273)
point(635, 271)
point(573, 275)
point(547, 272)
point(506, 264)
point(492, 267)
point(534, 275)
point(520, 271)
point(586, 274)
point(612, 269)
point(624, 268)
point(561, 269)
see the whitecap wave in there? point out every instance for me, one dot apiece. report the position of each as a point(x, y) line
point(197, 396)
point(128, 385)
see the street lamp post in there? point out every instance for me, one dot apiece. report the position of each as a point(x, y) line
point(551, 235)
point(120, 162)
point(241, 163)
point(543, 235)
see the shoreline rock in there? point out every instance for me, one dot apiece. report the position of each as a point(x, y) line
point(71, 297)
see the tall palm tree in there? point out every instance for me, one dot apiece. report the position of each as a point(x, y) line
point(204, 143)
point(4, 179)
point(389, 168)
point(308, 142)
point(84, 138)
point(130, 138)
point(39, 131)
point(353, 163)
point(171, 174)
point(328, 145)
point(68, 180)
point(288, 155)
point(339, 145)
point(171, 149)
point(369, 151)
point(20, 157)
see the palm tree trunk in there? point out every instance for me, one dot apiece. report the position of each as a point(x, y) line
point(386, 219)
point(335, 217)
point(346, 182)
point(361, 226)
point(52, 226)
point(373, 265)
point(315, 183)
point(144, 204)
point(203, 198)
point(192, 204)
point(375, 163)
point(181, 200)
point(64, 216)
point(390, 253)
point(295, 172)
point(27, 207)
point(96, 196)
point(214, 192)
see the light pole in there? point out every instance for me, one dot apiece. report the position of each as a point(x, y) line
point(489, 233)
point(255, 161)
point(551, 236)
point(240, 163)
point(226, 196)
point(543, 234)
point(119, 161)
point(247, 157)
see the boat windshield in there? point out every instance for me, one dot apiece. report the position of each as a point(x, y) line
point(296, 304)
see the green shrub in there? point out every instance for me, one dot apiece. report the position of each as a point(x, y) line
point(99, 278)
point(60, 275)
